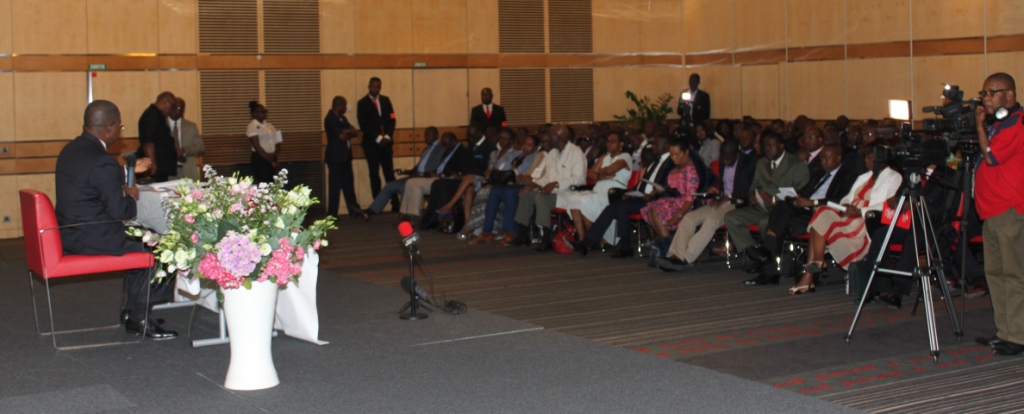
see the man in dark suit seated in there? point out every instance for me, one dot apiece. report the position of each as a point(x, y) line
point(93, 200)
point(442, 191)
point(430, 158)
point(698, 108)
point(736, 172)
point(790, 218)
point(454, 163)
point(619, 211)
point(488, 114)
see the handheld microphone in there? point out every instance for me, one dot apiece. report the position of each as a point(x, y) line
point(409, 236)
point(129, 159)
point(409, 285)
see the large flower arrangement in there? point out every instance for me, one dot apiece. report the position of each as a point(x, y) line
point(234, 232)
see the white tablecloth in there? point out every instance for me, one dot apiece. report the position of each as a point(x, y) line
point(297, 315)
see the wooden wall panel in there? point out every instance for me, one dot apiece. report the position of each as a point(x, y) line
point(477, 79)
point(48, 106)
point(817, 89)
point(616, 26)
point(178, 25)
point(132, 92)
point(873, 82)
point(10, 212)
point(384, 26)
point(947, 19)
point(482, 27)
point(1003, 17)
point(707, 26)
point(661, 30)
point(6, 107)
point(815, 22)
point(185, 85)
point(49, 27)
point(6, 33)
point(337, 26)
point(440, 97)
point(877, 21)
point(341, 82)
point(395, 84)
point(722, 83)
point(439, 26)
point(610, 86)
point(761, 91)
point(759, 24)
point(931, 72)
point(1011, 63)
point(655, 82)
point(122, 26)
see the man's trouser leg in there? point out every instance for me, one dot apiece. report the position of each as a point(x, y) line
point(392, 188)
point(1003, 236)
point(527, 203)
point(689, 242)
point(415, 190)
point(545, 203)
point(737, 222)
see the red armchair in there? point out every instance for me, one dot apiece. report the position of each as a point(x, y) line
point(44, 254)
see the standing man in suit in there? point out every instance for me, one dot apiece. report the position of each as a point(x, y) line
point(777, 169)
point(155, 141)
point(831, 182)
point(377, 122)
point(188, 144)
point(736, 172)
point(430, 159)
point(92, 200)
point(338, 156)
point(698, 108)
point(488, 114)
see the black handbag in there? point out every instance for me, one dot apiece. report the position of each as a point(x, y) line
point(499, 177)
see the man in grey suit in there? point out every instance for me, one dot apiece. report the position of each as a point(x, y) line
point(430, 159)
point(187, 141)
point(776, 170)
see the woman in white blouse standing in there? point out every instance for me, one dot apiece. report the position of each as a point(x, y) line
point(266, 144)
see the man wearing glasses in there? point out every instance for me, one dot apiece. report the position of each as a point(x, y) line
point(155, 141)
point(999, 195)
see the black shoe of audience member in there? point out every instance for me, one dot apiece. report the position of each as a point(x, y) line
point(395, 208)
point(671, 264)
point(152, 329)
point(580, 248)
point(545, 240)
point(891, 299)
point(621, 253)
point(1008, 348)
point(366, 214)
point(762, 280)
point(990, 341)
point(125, 316)
point(427, 224)
point(759, 254)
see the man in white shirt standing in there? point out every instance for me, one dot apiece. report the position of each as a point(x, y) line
point(562, 170)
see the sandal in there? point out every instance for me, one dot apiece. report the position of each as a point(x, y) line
point(799, 290)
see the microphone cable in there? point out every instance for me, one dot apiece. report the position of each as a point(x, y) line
point(451, 307)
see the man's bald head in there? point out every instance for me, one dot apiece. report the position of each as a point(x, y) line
point(102, 120)
point(165, 102)
point(560, 135)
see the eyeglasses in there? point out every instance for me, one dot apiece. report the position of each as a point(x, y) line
point(991, 92)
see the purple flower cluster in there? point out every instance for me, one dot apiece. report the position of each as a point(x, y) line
point(237, 254)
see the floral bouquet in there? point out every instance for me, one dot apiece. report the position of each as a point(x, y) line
point(235, 233)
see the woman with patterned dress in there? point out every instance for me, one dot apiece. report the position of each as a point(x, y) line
point(610, 171)
point(671, 204)
point(844, 233)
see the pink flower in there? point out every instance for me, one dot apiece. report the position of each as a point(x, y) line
point(189, 219)
point(210, 268)
point(195, 237)
point(198, 194)
point(234, 208)
point(316, 244)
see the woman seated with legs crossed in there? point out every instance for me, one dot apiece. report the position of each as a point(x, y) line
point(610, 171)
point(665, 213)
point(501, 159)
point(844, 233)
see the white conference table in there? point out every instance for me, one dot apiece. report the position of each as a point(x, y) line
point(297, 315)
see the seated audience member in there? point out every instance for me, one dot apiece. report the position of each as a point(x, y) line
point(790, 218)
point(92, 203)
point(503, 159)
point(508, 194)
point(811, 143)
point(736, 170)
point(455, 161)
point(430, 159)
point(664, 214)
point(723, 130)
point(746, 139)
point(473, 188)
point(619, 211)
point(443, 191)
point(563, 169)
point(855, 159)
point(778, 125)
point(845, 233)
point(777, 169)
point(612, 171)
point(709, 146)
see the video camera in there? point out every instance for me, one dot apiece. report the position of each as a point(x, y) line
point(957, 124)
point(955, 127)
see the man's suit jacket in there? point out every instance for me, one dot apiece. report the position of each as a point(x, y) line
point(814, 166)
point(153, 129)
point(837, 189)
point(481, 157)
point(373, 124)
point(193, 145)
point(791, 172)
point(701, 104)
point(337, 150)
point(746, 164)
point(477, 116)
point(88, 183)
point(459, 163)
point(432, 159)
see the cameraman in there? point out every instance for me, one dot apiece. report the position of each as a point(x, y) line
point(999, 191)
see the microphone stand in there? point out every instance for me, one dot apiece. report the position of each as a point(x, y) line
point(413, 306)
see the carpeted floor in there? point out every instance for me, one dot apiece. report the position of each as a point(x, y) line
point(544, 333)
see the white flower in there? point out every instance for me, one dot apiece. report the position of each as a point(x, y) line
point(161, 274)
point(203, 208)
point(191, 255)
point(279, 223)
point(232, 180)
point(323, 242)
point(188, 198)
point(180, 256)
point(265, 249)
point(166, 256)
point(171, 268)
point(293, 210)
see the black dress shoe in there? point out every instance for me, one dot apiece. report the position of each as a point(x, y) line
point(671, 264)
point(622, 254)
point(153, 330)
point(544, 246)
point(990, 341)
point(1008, 348)
point(580, 248)
point(891, 299)
point(427, 225)
point(762, 280)
point(125, 316)
point(759, 254)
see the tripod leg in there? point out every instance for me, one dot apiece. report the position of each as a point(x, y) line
point(935, 261)
point(925, 272)
point(874, 271)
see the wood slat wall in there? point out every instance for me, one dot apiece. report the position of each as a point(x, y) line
point(228, 26)
point(570, 26)
point(521, 26)
point(294, 98)
point(291, 26)
point(523, 94)
point(572, 95)
point(225, 97)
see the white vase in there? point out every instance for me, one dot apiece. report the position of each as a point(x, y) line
point(250, 318)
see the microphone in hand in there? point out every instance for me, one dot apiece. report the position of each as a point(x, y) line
point(129, 158)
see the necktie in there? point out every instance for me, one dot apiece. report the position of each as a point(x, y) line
point(376, 104)
point(487, 111)
point(821, 182)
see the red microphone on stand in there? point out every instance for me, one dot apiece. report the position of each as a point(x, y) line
point(409, 239)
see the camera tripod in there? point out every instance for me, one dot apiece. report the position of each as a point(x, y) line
point(910, 195)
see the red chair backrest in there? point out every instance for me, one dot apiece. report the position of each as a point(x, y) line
point(634, 179)
point(37, 215)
